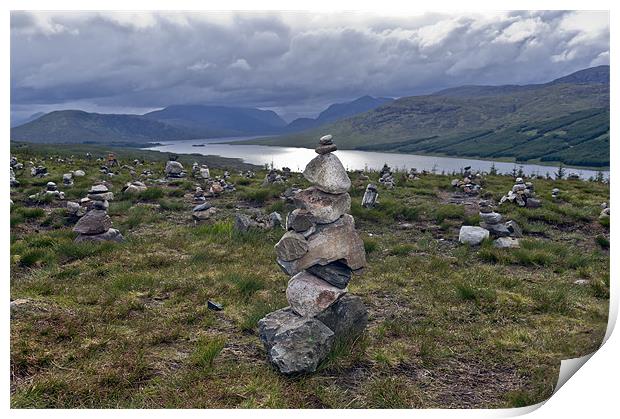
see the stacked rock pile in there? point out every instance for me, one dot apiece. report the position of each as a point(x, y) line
point(51, 189)
point(174, 169)
point(200, 171)
point(385, 176)
point(248, 174)
point(134, 188)
point(199, 195)
point(555, 193)
point(467, 185)
point(14, 181)
point(604, 211)
point(413, 174)
point(320, 250)
point(273, 176)
point(15, 165)
point(370, 196)
point(203, 211)
point(39, 171)
point(96, 226)
point(522, 193)
point(506, 234)
point(67, 179)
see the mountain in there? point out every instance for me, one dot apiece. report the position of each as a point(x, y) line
point(338, 111)
point(555, 121)
point(211, 121)
point(20, 121)
point(73, 126)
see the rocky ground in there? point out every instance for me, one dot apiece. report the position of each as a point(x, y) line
point(130, 324)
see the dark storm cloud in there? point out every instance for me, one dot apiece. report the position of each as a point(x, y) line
point(292, 62)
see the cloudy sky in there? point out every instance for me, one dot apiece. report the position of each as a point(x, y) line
point(293, 63)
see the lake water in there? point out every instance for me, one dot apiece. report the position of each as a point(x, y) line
point(296, 158)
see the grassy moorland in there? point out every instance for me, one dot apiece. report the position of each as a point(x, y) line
point(127, 325)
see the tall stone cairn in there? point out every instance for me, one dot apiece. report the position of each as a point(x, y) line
point(320, 251)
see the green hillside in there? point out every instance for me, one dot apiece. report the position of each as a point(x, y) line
point(519, 124)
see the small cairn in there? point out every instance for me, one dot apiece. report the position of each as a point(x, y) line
point(604, 211)
point(522, 193)
point(14, 181)
point(385, 177)
point(203, 211)
point(509, 232)
point(96, 226)
point(174, 169)
point(555, 193)
point(320, 250)
point(413, 174)
point(39, 171)
point(467, 185)
point(370, 196)
point(100, 193)
point(273, 176)
point(199, 195)
point(134, 188)
point(50, 189)
point(67, 179)
point(15, 165)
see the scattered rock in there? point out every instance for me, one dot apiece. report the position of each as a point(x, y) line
point(473, 235)
point(506, 243)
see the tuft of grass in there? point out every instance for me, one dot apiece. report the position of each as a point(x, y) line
point(207, 349)
point(370, 245)
point(170, 205)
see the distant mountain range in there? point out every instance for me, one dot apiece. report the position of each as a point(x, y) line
point(338, 111)
point(565, 120)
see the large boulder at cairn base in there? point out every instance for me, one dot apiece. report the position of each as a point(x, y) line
point(347, 317)
point(327, 173)
point(112, 235)
point(325, 208)
point(329, 243)
point(473, 235)
point(94, 222)
point(308, 295)
point(294, 344)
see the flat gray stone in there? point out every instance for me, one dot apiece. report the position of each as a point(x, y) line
point(336, 273)
point(329, 243)
point(294, 344)
point(496, 230)
point(490, 217)
point(93, 222)
point(327, 173)
point(347, 317)
point(291, 246)
point(98, 189)
point(106, 196)
point(324, 207)
point(299, 220)
point(514, 229)
point(506, 243)
point(308, 295)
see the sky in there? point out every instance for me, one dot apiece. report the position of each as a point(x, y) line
point(295, 63)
